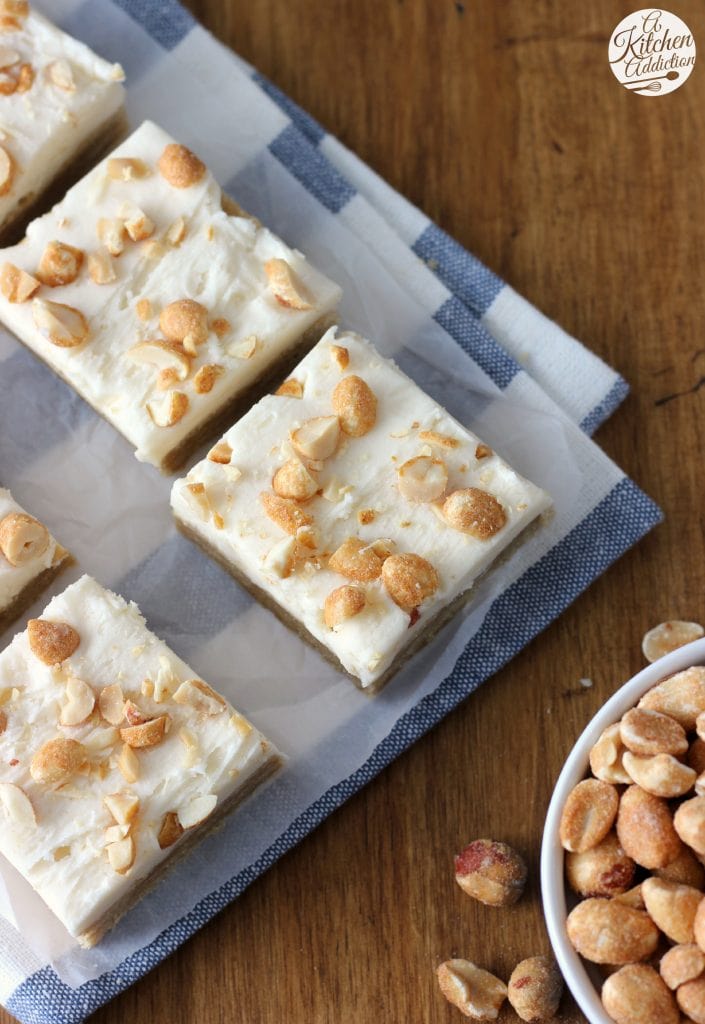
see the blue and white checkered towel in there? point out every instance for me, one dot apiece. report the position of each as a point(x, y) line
point(531, 389)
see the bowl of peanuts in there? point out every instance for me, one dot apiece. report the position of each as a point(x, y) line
point(623, 853)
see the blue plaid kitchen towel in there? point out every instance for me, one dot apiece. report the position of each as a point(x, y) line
point(488, 355)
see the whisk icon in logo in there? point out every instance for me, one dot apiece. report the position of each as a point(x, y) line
point(652, 52)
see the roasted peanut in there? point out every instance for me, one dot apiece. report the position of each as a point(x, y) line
point(588, 815)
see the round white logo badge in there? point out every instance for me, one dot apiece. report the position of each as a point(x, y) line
point(652, 52)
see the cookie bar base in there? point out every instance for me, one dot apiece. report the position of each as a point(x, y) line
point(424, 637)
point(238, 405)
point(95, 933)
point(106, 138)
point(29, 594)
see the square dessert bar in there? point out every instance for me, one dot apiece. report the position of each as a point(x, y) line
point(159, 307)
point(30, 558)
point(61, 108)
point(354, 506)
point(114, 758)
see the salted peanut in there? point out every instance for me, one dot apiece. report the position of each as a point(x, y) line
point(180, 167)
point(170, 830)
point(682, 963)
point(695, 757)
point(646, 829)
point(356, 560)
point(631, 898)
point(16, 284)
point(101, 269)
point(474, 511)
point(606, 757)
point(148, 734)
point(121, 855)
point(281, 558)
point(637, 995)
point(169, 410)
point(161, 354)
point(290, 388)
point(355, 405)
point(681, 696)
point(340, 356)
point(56, 761)
point(671, 907)
point(197, 497)
point(111, 232)
point(342, 604)
point(293, 480)
point(114, 833)
point(685, 869)
point(699, 925)
point(285, 512)
point(60, 264)
point(689, 823)
point(25, 78)
point(422, 479)
point(200, 696)
point(668, 636)
point(80, 701)
point(139, 226)
point(22, 538)
point(133, 714)
point(490, 872)
point(476, 993)
point(17, 805)
point(691, 999)
point(610, 932)
point(588, 815)
point(221, 453)
point(604, 870)
point(646, 733)
point(126, 168)
point(60, 74)
point(409, 580)
point(535, 989)
point(122, 806)
point(128, 764)
point(284, 286)
point(206, 377)
point(175, 234)
point(438, 440)
point(197, 810)
point(62, 325)
point(52, 642)
point(111, 704)
point(243, 349)
point(7, 171)
point(662, 775)
point(317, 438)
point(184, 320)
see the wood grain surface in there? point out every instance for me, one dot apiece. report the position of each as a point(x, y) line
point(505, 124)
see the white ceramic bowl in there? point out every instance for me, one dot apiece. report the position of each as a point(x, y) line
point(553, 887)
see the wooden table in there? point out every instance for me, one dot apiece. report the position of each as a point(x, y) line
point(504, 123)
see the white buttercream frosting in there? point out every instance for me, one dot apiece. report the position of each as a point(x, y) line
point(219, 263)
point(63, 855)
point(360, 476)
point(44, 126)
point(14, 578)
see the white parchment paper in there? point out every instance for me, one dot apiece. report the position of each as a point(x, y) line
point(72, 470)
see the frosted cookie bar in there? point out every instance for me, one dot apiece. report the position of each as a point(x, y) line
point(30, 558)
point(61, 107)
point(114, 758)
point(354, 506)
point(162, 310)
